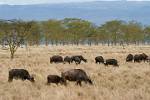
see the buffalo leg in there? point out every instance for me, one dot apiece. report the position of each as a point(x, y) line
point(10, 79)
point(96, 62)
point(79, 83)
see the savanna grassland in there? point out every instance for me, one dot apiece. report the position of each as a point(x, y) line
point(131, 81)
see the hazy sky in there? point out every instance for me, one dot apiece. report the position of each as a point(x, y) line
point(39, 1)
point(48, 1)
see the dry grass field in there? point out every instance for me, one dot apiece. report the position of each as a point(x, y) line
point(131, 81)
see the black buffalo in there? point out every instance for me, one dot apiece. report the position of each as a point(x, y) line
point(113, 62)
point(140, 57)
point(56, 59)
point(55, 79)
point(137, 58)
point(144, 57)
point(67, 59)
point(77, 60)
point(129, 58)
point(20, 74)
point(73, 58)
point(77, 75)
point(99, 59)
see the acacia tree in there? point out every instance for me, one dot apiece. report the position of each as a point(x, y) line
point(14, 32)
point(102, 35)
point(34, 35)
point(78, 29)
point(52, 30)
point(147, 33)
point(133, 32)
point(113, 28)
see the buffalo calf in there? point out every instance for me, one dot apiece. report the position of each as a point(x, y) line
point(55, 79)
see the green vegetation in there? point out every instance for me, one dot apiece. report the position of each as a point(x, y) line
point(71, 31)
point(13, 33)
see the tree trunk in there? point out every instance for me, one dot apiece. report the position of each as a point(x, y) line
point(46, 42)
point(52, 43)
point(89, 43)
point(108, 42)
point(12, 54)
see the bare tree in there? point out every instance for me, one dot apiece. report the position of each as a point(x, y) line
point(14, 33)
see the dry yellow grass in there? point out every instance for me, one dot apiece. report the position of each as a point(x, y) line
point(131, 81)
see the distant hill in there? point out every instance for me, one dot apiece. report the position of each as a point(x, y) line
point(97, 12)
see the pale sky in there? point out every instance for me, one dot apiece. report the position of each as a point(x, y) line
point(22, 2)
point(40, 1)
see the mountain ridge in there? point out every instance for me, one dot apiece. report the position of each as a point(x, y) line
point(97, 12)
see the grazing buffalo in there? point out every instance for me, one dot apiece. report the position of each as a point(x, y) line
point(77, 75)
point(19, 74)
point(55, 79)
point(144, 57)
point(56, 59)
point(137, 58)
point(99, 59)
point(113, 62)
point(77, 60)
point(67, 59)
point(73, 58)
point(129, 58)
point(140, 57)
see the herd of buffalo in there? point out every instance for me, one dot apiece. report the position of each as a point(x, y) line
point(77, 75)
point(78, 58)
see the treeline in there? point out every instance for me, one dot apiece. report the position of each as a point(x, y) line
point(72, 31)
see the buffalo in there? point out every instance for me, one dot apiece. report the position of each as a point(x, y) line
point(137, 58)
point(77, 75)
point(67, 59)
point(144, 57)
point(129, 58)
point(56, 59)
point(77, 60)
point(73, 58)
point(55, 79)
point(99, 59)
point(20, 74)
point(140, 57)
point(113, 62)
